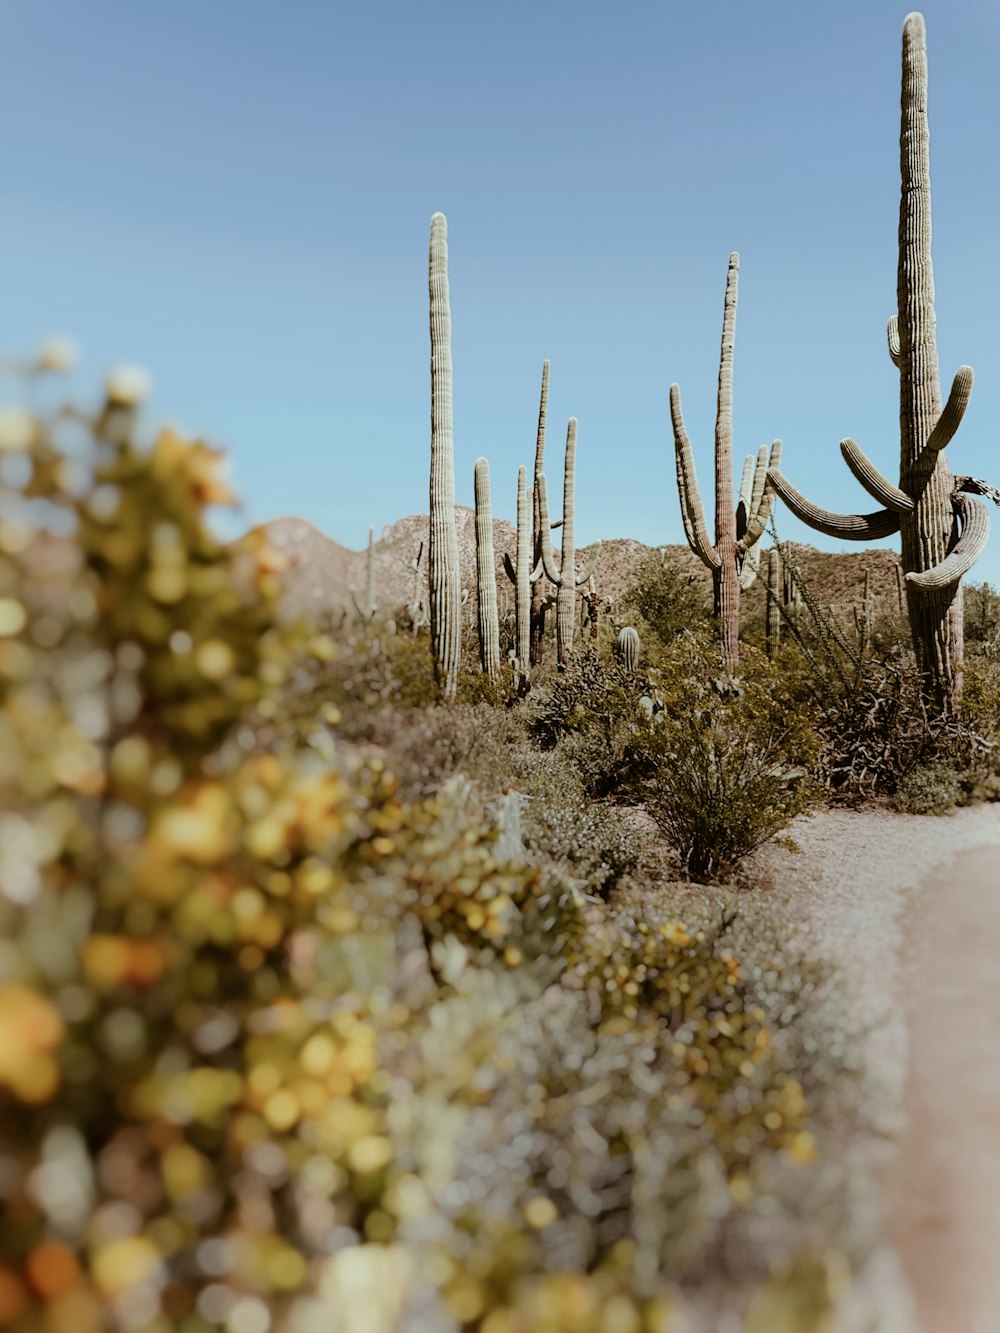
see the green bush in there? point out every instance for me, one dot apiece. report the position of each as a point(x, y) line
point(930, 789)
point(734, 760)
point(601, 717)
point(666, 598)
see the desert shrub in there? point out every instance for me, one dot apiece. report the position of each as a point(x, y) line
point(982, 620)
point(882, 730)
point(601, 717)
point(280, 1046)
point(666, 597)
point(733, 758)
point(929, 789)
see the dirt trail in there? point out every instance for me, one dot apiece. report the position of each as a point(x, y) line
point(908, 909)
point(945, 1195)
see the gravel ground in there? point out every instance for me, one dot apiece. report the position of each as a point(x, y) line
point(901, 905)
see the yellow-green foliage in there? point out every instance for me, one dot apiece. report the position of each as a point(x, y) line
point(278, 1048)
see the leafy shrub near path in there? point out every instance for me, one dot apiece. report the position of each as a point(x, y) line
point(278, 1044)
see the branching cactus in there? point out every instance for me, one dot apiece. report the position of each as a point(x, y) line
point(445, 578)
point(538, 597)
point(734, 558)
point(564, 575)
point(523, 576)
point(627, 648)
point(943, 531)
point(486, 573)
point(368, 609)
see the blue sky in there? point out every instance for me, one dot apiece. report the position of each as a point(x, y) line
point(237, 196)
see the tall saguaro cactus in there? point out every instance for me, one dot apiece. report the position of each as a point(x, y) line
point(943, 531)
point(486, 573)
point(734, 558)
point(564, 575)
point(522, 575)
point(538, 600)
point(445, 585)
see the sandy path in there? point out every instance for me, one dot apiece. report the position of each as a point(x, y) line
point(908, 909)
point(946, 1185)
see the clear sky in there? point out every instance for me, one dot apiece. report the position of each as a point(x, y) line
point(237, 195)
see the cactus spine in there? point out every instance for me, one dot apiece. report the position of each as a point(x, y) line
point(564, 576)
point(942, 531)
point(538, 600)
point(628, 648)
point(733, 559)
point(486, 573)
point(445, 586)
point(368, 609)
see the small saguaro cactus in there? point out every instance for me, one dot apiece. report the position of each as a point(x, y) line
point(734, 558)
point(445, 578)
point(564, 575)
point(368, 609)
point(943, 530)
point(523, 576)
point(627, 648)
point(486, 573)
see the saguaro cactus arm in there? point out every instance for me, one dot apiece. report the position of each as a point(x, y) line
point(892, 337)
point(692, 510)
point(975, 521)
point(746, 496)
point(850, 527)
point(587, 572)
point(954, 410)
point(552, 571)
point(877, 486)
point(762, 499)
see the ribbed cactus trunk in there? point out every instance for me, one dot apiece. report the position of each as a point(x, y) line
point(567, 594)
point(628, 648)
point(523, 587)
point(726, 579)
point(537, 588)
point(445, 585)
point(927, 530)
point(486, 573)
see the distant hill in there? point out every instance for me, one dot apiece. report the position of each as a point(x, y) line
point(321, 572)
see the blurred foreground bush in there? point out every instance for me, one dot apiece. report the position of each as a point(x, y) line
point(279, 1050)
